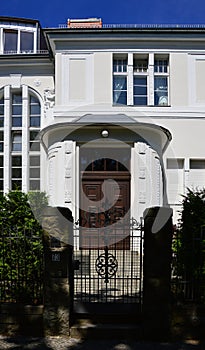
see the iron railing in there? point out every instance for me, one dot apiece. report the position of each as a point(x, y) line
point(21, 266)
point(188, 269)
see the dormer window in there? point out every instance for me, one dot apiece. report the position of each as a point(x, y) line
point(10, 40)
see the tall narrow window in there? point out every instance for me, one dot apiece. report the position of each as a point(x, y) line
point(160, 81)
point(16, 141)
point(16, 172)
point(1, 112)
point(120, 80)
point(120, 90)
point(1, 173)
point(26, 41)
point(35, 112)
point(10, 41)
point(34, 143)
point(17, 109)
point(34, 173)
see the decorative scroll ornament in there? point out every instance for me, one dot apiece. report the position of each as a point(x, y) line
point(106, 265)
point(49, 98)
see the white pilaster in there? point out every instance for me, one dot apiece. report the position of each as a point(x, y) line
point(25, 139)
point(150, 83)
point(7, 143)
point(130, 80)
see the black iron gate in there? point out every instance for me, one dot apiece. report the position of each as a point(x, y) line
point(112, 273)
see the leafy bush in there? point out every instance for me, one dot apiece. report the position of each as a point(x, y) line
point(21, 249)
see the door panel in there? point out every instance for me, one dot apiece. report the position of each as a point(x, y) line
point(103, 221)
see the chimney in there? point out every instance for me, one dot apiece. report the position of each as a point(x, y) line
point(85, 23)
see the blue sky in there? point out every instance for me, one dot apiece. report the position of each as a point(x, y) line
point(54, 12)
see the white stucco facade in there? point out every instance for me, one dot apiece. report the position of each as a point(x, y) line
point(68, 95)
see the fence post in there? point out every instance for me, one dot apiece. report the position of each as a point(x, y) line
point(58, 289)
point(157, 272)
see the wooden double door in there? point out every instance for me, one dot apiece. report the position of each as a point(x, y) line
point(104, 213)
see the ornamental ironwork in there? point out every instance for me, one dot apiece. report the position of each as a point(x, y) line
point(106, 265)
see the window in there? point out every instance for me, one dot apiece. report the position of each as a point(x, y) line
point(140, 90)
point(175, 163)
point(34, 141)
point(120, 90)
point(120, 65)
point(1, 112)
point(10, 41)
point(34, 173)
point(17, 110)
point(1, 173)
point(16, 172)
point(18, 40)
point(1, 141)
point(16, 141)
point(197, 163)
point(26, 41)
point(35, 112)
point(160, 81)
point(141, 84)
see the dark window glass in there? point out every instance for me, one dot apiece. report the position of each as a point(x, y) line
point(17, 98)
point(120, 90)
point(26, 41)
point(16, 109)
point(16, 184)
point(34, 185)
point(16, 161)
point(35, 121)
point(34, 173)
point(10, 40)
point(1, 121)
point(140, 91)
point(34, 135)
point(35, 161)
point(1, 161)
point(1, 173)
point(17, 121)
point(1, 185)
point(35, 109)
point(16, 173)
point(34, 146)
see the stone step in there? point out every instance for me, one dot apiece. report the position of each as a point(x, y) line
point(106, 331)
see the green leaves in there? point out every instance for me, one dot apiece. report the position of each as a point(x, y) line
point(21, 248)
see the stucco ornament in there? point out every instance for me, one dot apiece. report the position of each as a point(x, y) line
point(49, 98)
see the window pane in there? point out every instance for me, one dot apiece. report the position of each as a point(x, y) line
point(1, 173)
point(173, 163)
point(120, 90)
point(140, 90)
point(34, 135)
point(120, 97)
point(17, 137)
point(1, 147)
point(1, 121)
point(1, 109)
point(35, 109)
point(1, 185)
point(34, 99)
point(17, 109)
point(160, 91)
point(35, 121)
point(16, 184)
point(17, 98)
point(1, 160)
point(16, 161)
point(140, 100)
point(197, 163)
point(17, 121)
point(17, 147)
point(34, 146)
point(34, 185)
point(16, 173)
point(1, 136)
point(26, 42)
point(35, 161)
point(10, 40)
point(35, 172)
